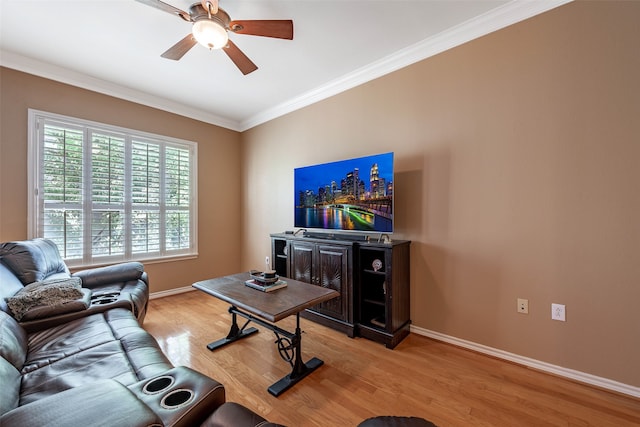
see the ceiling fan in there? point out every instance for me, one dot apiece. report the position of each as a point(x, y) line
point(211, 25)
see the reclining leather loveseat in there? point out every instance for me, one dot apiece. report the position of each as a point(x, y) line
point(24, 263)
point(91, 363)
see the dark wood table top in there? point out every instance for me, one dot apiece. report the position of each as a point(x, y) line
point(272, 306)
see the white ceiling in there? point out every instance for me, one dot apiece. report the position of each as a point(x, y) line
point(114, 47)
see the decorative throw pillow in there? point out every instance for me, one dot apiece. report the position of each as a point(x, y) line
point(46, 293)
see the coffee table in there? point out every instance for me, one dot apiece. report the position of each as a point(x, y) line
point(265, 309)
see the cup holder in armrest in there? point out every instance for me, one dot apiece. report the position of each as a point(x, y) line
point(159, 384)
point(114, 294)
point(101, 301)
point(104, 298)
point(180, 396)
point(177, 398)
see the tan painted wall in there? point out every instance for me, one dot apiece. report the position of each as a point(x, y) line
point(219, 158)
point(517, 176)
point(517, 159)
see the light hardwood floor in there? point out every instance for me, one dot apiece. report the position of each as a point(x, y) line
point(421, 377)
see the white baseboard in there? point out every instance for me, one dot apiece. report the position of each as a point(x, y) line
point(170, 292)
point(572, 374)
point(532, 363)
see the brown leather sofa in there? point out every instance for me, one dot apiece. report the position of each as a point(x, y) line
point(95, 365)
point(38, 260)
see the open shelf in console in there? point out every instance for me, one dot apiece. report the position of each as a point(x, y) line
point(383, 292)
point(280, 254)
point(373, 287)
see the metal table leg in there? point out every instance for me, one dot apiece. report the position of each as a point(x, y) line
point(299, 369)
point(289, 346)
point(235, 333)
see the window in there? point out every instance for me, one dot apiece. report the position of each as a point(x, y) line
point(107, 194)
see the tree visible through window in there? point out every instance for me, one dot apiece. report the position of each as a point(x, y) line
point(104, 193)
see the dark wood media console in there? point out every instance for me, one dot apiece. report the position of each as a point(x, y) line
point(372, 279)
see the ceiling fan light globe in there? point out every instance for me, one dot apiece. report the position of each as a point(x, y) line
point(210, 34)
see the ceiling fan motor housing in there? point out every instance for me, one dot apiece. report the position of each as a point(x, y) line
point(197, 12)
point(209, 29)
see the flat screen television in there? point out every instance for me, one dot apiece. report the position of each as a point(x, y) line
point(350, 195)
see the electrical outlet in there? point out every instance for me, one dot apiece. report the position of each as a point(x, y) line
point(523, 306)
point(267, 263)
point(558, 312)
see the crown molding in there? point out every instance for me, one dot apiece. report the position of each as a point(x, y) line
point(494, 20)
point(84, 81)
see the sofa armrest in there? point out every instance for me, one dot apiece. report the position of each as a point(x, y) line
point(180, 396)
point(102, 403)
point(233, 414)
point(123, 272)
point(120, 285)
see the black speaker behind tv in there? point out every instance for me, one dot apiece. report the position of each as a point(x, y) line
point(339, 236)
point(352, 237)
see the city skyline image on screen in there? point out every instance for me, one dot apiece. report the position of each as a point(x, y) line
point(353, 194)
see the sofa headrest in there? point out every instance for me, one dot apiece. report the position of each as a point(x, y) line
point(32, 260)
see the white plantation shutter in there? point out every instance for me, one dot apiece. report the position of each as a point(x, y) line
point(107, 194)
point(61, 186)
point(145, 193)
point(178, 200)
point(107, 182)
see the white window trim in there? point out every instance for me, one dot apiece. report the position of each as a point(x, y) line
point(34, 168)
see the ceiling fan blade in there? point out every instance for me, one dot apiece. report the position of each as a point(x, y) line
point(241, 60)
point(167, 8)
point(178, 50)
point(277, 28)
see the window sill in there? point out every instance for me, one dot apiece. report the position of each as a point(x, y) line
point(145, 261)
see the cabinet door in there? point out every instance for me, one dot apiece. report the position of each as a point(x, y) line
point(332, 272)
point(301, 256)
